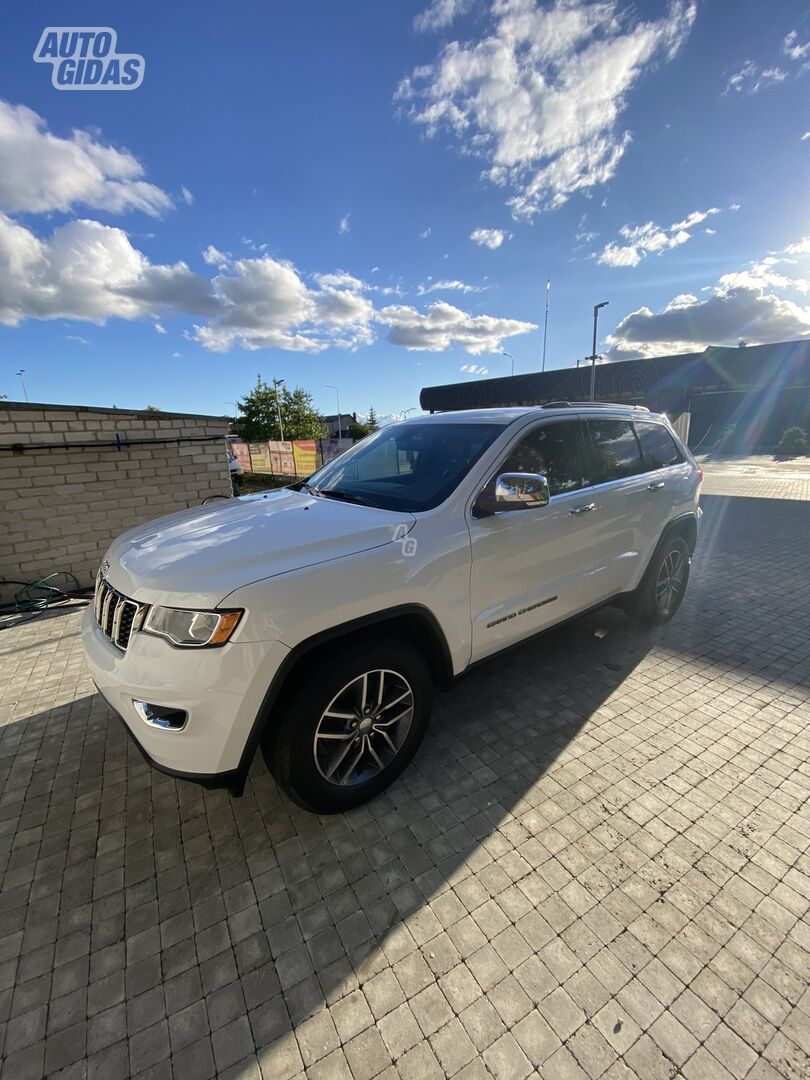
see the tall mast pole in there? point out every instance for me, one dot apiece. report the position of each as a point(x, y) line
point(545, 325)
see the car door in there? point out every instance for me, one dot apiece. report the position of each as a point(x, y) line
point(669, 476)
point(530, 567)
point(625, 511)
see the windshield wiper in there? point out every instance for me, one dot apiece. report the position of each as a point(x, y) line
point(345, 496)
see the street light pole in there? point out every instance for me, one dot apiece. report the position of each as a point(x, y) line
point(593, 357)
point(510, 357)
point(21, 372)
point(276, 384)
point(340, 421)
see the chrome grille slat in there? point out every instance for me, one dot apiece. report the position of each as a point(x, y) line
point(105, 611)
point(115, 613)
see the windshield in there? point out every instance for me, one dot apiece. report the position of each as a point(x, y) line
point(407, 467)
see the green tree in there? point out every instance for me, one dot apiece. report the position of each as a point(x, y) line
point(259, 412)
point(151, 408)
point(357, 430)
point(371, 420)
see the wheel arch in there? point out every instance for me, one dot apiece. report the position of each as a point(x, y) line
point(686, 527)
point(411, 622)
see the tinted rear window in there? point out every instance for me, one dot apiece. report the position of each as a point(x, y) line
point(614, 452)
point(657, 446)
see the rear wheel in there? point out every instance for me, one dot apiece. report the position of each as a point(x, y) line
point(664, 585)
point(353, 726)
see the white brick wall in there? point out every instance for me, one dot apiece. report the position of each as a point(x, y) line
point(60, 508)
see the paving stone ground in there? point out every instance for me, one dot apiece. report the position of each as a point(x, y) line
point(597, 866)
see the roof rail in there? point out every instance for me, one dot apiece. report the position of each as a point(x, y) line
point(592, 405)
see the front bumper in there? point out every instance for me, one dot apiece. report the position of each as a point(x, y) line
point(223, 691)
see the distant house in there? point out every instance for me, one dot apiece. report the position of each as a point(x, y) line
point(338, 426)
point(756, 391)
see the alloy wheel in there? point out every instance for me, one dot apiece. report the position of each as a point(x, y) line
point(363, 727)
point(669, 584)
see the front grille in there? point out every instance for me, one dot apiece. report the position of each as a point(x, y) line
point(115, 614)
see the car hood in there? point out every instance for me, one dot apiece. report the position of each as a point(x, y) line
point(196, 557)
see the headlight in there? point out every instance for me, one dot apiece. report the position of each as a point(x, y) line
point(191, 628)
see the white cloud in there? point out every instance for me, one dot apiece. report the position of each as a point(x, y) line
point(793, 48)
point(443, 326)
point(540, 96)
point(188, 198)
point(651, 239)
point(734, 207)
point(345, 226)
point(806, 136)
point(439, 14)
point(259, 248)
point(91, 272)
point(214, 257)
point(491, 238)
point(754, 304)
point(751, 77)
point(445, 285)
point(88, 271)
point(710, 232)
point(425, 233)
point(41, 172)
point(77, 339)
point(473, 369)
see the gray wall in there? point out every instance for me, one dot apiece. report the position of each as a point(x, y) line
point(61, 507)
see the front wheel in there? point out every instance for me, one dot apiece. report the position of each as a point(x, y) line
point(353, 726)
point(664, 585)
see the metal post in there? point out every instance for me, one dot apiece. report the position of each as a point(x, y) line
point(545, 325)
point(21, 372)
point(276, 384)
point(593, 357)
point(510, 357)
point(340, 421)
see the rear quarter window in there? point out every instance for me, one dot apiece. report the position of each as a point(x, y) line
point(657, 446)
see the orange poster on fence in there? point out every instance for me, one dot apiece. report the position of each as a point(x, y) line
point(305, 452)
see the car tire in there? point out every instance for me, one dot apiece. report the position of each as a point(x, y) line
point(352, 726)
point(663, 587)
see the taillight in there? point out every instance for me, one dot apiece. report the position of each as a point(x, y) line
point(700, 475)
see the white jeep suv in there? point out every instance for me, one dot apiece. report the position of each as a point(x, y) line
point(315, 620)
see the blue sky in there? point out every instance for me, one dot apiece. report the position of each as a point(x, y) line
point(372, 194)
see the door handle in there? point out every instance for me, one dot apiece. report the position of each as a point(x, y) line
point(582, 509)
point(656, 486)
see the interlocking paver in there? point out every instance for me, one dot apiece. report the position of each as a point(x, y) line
point(597, 865)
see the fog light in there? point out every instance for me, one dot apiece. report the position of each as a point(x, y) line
point(160, 716)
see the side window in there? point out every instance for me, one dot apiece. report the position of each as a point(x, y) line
point(657, 446)
point(614, 450)
point(552, 450)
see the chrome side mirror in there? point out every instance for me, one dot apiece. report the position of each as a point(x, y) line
point(513, 491)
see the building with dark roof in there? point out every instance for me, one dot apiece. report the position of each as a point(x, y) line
point(748, 394)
